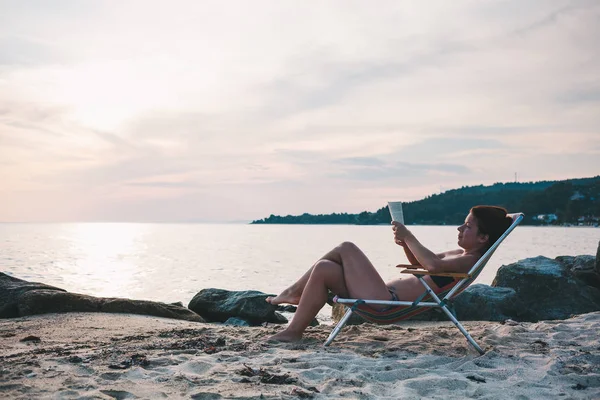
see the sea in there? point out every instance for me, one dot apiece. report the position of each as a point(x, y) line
point(173, 262)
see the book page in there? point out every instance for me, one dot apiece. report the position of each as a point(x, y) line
point(396, 211)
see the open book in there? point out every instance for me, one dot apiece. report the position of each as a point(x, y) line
point(396, 211)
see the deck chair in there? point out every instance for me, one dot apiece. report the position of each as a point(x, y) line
point(407, 309)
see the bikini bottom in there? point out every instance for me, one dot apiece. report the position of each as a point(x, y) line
point(394, 298)
point(442, 281)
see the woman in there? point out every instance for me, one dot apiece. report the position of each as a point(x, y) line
point(347, 272)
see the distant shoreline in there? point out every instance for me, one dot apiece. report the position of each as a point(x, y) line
point(568, 202)
point(382, 224)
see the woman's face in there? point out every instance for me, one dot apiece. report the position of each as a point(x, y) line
point(469, 236)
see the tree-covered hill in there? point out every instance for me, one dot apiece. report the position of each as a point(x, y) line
point(572, 201)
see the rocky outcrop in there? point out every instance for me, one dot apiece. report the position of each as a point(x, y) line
point(19, 298)
point(11, 289)
point(534, 289)
point(550, 289)
point(598, 259)
point(218, 305)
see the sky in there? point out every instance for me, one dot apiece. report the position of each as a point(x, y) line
point(213, 111)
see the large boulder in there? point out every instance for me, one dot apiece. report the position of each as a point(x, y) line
point(11, 289)
point(548, 289)
point(477, 303)
point(47, 301)
point(486, 303)
point(218, 305)
point(19, 298)
point(598, 259)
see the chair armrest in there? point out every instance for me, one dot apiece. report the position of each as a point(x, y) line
point(425, 272)
point(409, 266)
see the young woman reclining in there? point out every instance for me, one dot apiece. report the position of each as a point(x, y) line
point(348, 273)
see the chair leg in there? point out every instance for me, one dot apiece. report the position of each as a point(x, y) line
point(462, 330)
point(450, 315)
point(338, 327)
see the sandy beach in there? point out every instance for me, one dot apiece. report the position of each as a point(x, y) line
point(119, 356)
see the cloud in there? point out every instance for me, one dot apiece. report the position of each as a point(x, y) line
point(16, 51)
point(362, 162)
point(553, 17)
point(321, 80)
point(583, 95)
point(395, 170)
point(154, 108)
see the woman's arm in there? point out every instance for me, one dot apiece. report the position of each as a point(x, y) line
point(412, 259)
point(409, 255)
point(450, 261)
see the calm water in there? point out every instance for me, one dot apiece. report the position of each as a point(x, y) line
point(172, 262)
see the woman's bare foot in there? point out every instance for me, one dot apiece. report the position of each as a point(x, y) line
point(284, 297)
point(286, 336)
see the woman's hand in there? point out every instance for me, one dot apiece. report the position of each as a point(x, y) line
point(400, 236)
point(400, 232)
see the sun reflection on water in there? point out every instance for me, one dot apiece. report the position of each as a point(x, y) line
point(106, 258)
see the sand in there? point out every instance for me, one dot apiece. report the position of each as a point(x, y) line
point(118, 356)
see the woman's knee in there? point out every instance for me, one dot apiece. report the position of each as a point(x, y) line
point(326, 267)
point(346, 247)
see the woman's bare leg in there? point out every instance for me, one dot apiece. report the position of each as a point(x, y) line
point(353, 276)
point(292, 294)
point(359, 275)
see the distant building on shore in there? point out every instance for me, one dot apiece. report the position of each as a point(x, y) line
point(577, 196)
point(546, 218)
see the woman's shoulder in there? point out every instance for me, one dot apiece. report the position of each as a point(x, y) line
point(456, 252)
point(450, 254)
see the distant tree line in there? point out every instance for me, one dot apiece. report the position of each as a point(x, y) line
point(571, 201)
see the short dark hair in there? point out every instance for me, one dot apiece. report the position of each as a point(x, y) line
point(492, 221)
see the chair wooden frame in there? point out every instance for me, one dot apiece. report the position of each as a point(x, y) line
point(465, 280)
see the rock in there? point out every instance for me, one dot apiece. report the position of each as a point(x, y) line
point(547, 289)
point(582, 268)
point(31, 338)
point(144, 307)
point(19, 298)
point(287, 308)
point(48, 301)
point(10, 291)
point(206, 396)
point(476, 378)
point(236, 322)
point(485, 303)
point(37, 302)
point(218, 305)
point(598, 259)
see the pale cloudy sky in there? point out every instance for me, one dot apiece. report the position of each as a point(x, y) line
point(233, 110)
